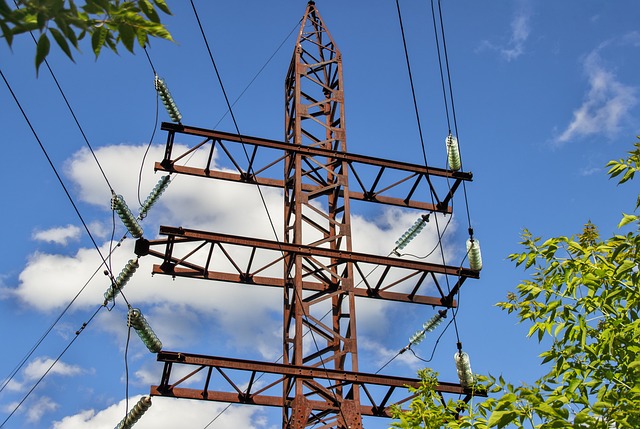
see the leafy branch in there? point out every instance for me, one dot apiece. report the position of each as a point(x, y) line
point(107, 23)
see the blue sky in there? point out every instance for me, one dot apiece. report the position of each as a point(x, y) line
point(545, 94)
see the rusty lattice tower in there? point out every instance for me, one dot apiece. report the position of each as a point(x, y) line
point(318, 384)
point(315, 118)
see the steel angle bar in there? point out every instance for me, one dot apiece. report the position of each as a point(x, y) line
point(384, 186)
point(381, 390)
point(385, 287)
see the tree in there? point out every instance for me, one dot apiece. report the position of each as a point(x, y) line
point(583, 295)
point(107, 22)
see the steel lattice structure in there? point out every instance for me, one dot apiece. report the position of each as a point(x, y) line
point(318, 384)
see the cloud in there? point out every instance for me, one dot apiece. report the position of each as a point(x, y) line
point(39, 408)
point(33, 409)
point(59, 235)
point(520, 31)
point(632, 38)
point(12, 385)
point(590, 171)
point(606, 104)
point(50, 281)
point(166, 412)
point(40, 365)
point(237, 320)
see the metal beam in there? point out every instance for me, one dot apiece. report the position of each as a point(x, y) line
point(180, 260)
point(383, 391)
point(394, 182)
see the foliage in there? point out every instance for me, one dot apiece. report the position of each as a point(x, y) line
point(582, 299)
point(106, 22)
point(429, 410)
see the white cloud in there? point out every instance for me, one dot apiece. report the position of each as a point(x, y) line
point(520, 31)
point(12, 385)
point(590, 171)
point(519, 34)
point(39, 408)
point(33, 409)
point(239, 320)
point(60, 235)
point(632, 38)
point(606, 104)
point(167, 412)
point(50, 281)
point(36, 368)
point(386, 356)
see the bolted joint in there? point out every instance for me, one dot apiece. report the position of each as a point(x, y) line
point(141, 247)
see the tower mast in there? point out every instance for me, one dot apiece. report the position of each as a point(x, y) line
point(318, 384)
point(315, 117)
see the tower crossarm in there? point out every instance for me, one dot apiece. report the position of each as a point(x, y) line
point(242, 381)
point(236, 259)
point(375, 179)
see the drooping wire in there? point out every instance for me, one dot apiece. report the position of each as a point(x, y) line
point(444, 92)
point(260, 71)
point(53, 167)
point(435, 346)
point(37, 383)
point(64, 97)
point(218, 415)
point(146, 151)
point(153, 69)
point(299, 298)
point(233, 117)
point(24, 360)
point(453, 107)
point(126, 371)
point(46, 333)
point(422, 144)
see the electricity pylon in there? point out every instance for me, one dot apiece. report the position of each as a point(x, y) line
point(318, 383)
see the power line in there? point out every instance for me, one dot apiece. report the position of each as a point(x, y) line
point(233, 117)
point(422, 144)
point(75, 118)
point(453, 107)
point(24, 360)
point(230, 110)
point(55, 171)
point(46, 333)
point(78, 332)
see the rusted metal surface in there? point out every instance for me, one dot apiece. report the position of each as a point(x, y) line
point(378, 180)
point(319, 382)
point(192, 253)
point(314, 117)
point(252, 382)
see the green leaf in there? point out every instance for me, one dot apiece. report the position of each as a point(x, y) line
point(582, 418)
point(626, 219)
point(627, 176)
point(616, 168)
point(8, 34)
point(127, 36)
point(42, 20)
point(150, 11)
point(142, 38)
point(625, 266)
point(42, 50)
point(573, 385)
point(4, 9)
point(501, 418)
point(162, 5)
point(98, 39)
point(61, 41)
